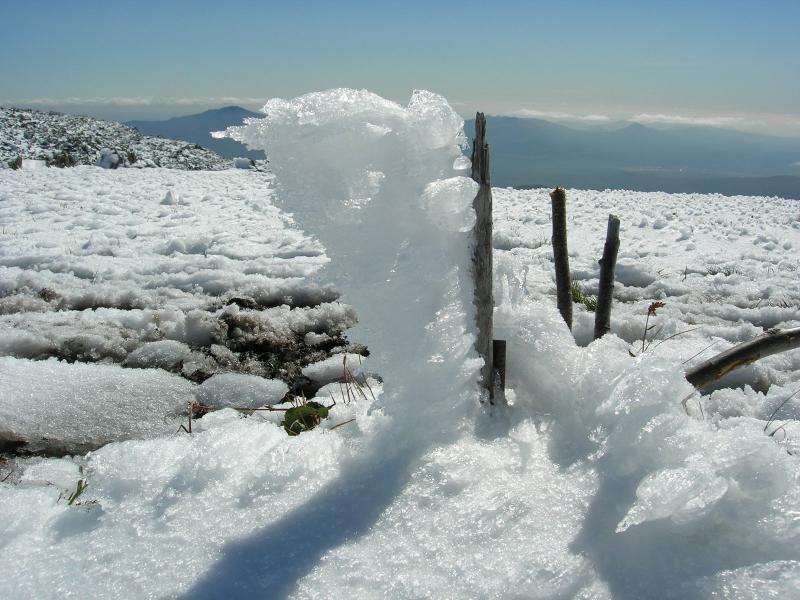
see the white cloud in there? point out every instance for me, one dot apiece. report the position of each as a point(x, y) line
point(708, 121)
point(134, 101)
point(559, 116)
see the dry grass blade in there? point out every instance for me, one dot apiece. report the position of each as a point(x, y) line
point(342, 423)
point(780, 406)
point(699, 353)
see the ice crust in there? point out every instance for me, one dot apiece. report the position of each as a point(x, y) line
point(594, 483)
point(88, 405)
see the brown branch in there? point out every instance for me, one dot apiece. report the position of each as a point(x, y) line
point(772, 342)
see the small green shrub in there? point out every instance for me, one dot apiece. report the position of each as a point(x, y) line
point(580, 297)
point(304, 417)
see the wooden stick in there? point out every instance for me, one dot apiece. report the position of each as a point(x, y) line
point(608, 265)
point(772, 342)
point(558, 199)
point(482, 254)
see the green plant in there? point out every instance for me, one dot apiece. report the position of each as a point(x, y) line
point(304, 417)
point(81, 487)
point(581, 297)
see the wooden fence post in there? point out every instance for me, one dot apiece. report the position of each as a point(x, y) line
point(558, 199)
point(482, 259)
point(608, 265)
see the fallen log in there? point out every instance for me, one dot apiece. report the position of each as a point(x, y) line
point(772, 342)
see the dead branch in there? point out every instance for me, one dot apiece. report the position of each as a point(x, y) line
point(772, 342)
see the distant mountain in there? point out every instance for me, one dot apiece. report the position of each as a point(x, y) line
point(66, 140)
point(197, 129)
point(527, 152)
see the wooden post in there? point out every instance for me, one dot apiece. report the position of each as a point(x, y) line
point(558, 199)
point(608, 265)
point(482, 258)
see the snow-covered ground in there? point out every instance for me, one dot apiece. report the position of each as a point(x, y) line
point(594, 483)
point(192, 273)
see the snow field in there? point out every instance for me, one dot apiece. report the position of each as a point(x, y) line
point(194, 273)
point(726, 266)
point(593, 484)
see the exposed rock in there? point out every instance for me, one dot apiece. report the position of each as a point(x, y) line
point(62, 140)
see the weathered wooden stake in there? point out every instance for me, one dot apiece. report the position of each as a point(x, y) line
point(558, 199)
point(482, 258)
point(772, 342)
point(608, 265)
point(482, 252)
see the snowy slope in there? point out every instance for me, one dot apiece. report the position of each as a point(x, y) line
point(593, 484)
point(65, 140)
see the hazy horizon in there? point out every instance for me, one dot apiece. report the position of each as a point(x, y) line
point(725, 64)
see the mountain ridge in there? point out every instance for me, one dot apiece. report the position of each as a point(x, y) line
point(197, 128)
point(527, 151)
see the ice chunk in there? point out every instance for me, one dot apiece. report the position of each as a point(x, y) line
point(240, 391)
point(163, 354)
point(449, 204)
point(681, 494)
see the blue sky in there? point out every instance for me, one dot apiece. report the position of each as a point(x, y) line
point(727, 63)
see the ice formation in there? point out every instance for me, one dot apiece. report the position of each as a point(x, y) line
point(393, 214)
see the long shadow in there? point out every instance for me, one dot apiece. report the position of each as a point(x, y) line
point(268, 564)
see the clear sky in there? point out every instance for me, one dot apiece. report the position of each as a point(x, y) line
point(730, 63)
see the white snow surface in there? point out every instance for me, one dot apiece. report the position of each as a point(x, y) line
point(93, 263)
point(95, 267)
point(593, 484)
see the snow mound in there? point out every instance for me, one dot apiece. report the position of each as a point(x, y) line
point(236, 390)
point(333, 367)
point(163, 354)
point(53, 405)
